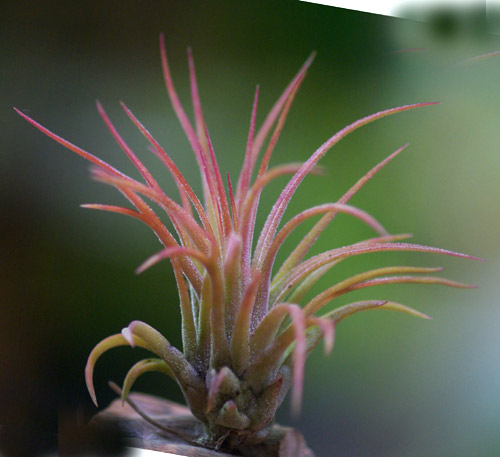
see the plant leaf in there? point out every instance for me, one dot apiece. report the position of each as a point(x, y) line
point(186, 227)
point(81, 152)
point(363, 280)
point(191, 384)
point(327, 327)
point(176, 174)
point(266, 365)
point(307, 242)
point(276, 109)
point(180, 113)
point(314, 263)
point(263, 300)
point(126, 148)
point(106, 344)
point(246, 169)
point(281, 204)
point(141, 367)
point(343, 312)
point(241, 332)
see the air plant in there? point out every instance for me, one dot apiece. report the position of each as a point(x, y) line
point(246, 326)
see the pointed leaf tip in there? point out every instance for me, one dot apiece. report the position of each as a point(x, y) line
point(310, 60)
point(25, 116)
point(127, 334)
point(89, 369)
point(148, 263)
point(394, 306)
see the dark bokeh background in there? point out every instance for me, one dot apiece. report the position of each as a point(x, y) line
point(394, 386)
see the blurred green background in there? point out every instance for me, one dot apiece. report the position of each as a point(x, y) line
point(394, 385)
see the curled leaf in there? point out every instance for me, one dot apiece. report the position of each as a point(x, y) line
point(106, 344)
point(141, 367)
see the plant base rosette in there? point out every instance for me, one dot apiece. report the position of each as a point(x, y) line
point(137, 432)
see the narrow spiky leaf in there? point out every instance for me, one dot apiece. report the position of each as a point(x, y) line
point(276, 109)
point(177, 105)
point(141, 367)
point(307, 242)
point(305, 284)
point(106, 344)
point(165, 236)
point(314, 263)
point(81, 152)
point(176, 174)
point(343, 312)
point(241, 332)
point(299, 355)
point(413, 280)
point(114, 209)
point(232, 279)
point(234, 209)
point(279, 208)
point(221, 194)
point(126, 148)
point(279, 126)
point(365, 280)
point(246, 169)
point(261, 182)
point(263, 300)
point(185, 199)
point(198, 112)
point(186, 227)
point(171, 252)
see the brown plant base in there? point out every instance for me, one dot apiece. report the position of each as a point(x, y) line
point(137, 432)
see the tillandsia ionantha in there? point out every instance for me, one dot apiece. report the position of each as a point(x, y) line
point(246, 331)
